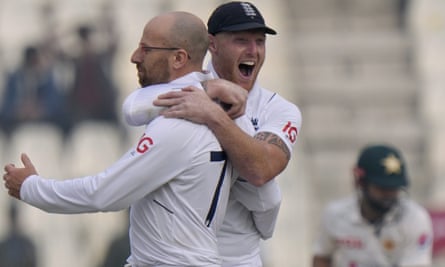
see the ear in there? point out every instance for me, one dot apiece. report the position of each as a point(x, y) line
point(358, 176)
point(212, 43)
point(180, 58)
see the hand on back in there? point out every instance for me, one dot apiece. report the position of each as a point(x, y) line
point(230, 95)
point(198, 106)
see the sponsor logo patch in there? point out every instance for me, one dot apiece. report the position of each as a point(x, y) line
point(424, 241)
point(290, 131)
point(144, 144)
point(350, 242)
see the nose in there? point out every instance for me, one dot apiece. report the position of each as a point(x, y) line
point(252, 47)
point(136, 57)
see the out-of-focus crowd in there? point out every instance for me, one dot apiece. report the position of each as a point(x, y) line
point(63, 86)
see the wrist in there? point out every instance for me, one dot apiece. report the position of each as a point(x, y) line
point(217, 117)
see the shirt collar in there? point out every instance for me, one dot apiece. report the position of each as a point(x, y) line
point(193, 77)
point(393, 215)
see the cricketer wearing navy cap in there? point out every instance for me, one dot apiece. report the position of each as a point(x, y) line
point(237, 16)
point(237, 45)
point(380, 174)
point(383, 165)
point(378, 226)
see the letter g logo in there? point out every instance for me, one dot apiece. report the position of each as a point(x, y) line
point(144, 144)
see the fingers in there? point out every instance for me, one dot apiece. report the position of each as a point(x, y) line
point(28, 164)
point(5, 178)
point(190, 89)
point(175, 98)
point(174, 111)
point(169, 99)
point(167, 102)
point(14, 193)
point(235, 112)
point(11, 186)
point(26, 161)
point(179, 94)
point(172, 94)
point(9, 167)
point(14, 177)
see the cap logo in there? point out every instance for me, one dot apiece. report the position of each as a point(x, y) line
point(392, 164)
point(248, 10)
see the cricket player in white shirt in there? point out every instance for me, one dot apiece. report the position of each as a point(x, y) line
point(237, 46)
point(378, 227)
point(253, 209)
point(175, 180)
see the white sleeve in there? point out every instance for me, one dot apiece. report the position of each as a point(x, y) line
point(418, 240)
point(243, 122)
point(287, 125)
point(324, 244)
point(138, 108)
point(139, 172)
point(263, 202)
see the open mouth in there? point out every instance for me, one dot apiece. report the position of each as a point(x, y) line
point(246, 68)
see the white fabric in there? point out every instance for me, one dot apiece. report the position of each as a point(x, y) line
point(404, 240)
point(138, 107)
point(168, 180)
point(252, 211)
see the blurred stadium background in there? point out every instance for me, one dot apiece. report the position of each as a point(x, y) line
point(361, 71)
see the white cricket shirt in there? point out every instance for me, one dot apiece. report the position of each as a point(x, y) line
point(405, 239)
point(252, 211)
point(170, 179)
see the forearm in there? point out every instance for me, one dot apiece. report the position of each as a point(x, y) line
point(113, 189)
point(55, 196)
point(255, 160)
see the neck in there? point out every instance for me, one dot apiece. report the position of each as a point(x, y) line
point(183, 72)
point(369, 213)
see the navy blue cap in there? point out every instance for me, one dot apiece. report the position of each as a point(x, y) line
point(237, 16)
point(383, 166)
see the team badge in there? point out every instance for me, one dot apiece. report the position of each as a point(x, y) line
point(248, 10)
point(392, 164)
point(423, 241)
point(389, 244)
point(254, 123)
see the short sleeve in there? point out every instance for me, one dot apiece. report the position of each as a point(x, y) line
point(324, 244)
point(418, 239)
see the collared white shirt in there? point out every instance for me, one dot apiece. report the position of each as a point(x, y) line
point(170, 179)
point(404, 238)
point(252, 211)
